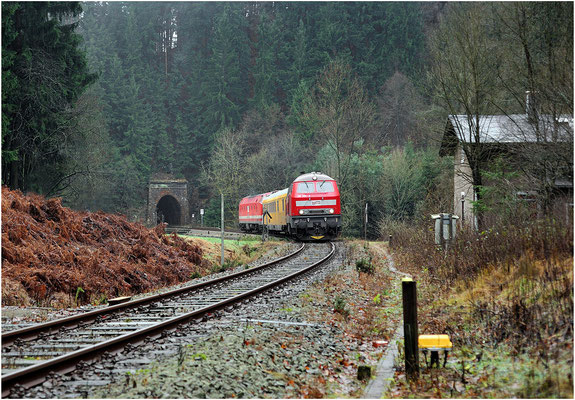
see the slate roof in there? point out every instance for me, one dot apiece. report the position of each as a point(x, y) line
point(514, 128)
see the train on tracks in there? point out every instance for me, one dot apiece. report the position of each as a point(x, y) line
point(309, 209)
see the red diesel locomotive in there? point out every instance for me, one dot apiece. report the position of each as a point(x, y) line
point(309, 208)
point(250, 215)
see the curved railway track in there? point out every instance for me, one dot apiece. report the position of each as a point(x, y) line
point(32, 353)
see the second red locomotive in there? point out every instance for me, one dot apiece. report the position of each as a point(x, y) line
point(310, 208)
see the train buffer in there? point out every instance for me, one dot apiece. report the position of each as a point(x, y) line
point(435, 344)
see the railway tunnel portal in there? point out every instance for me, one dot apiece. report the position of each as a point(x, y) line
point(168, 210)
point(167, 201)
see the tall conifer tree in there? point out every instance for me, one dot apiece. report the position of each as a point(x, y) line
point(44, 73)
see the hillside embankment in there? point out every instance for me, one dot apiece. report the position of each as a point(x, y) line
point(505, 297)
point(55, 256)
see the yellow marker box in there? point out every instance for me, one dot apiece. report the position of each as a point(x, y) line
point(434, 342)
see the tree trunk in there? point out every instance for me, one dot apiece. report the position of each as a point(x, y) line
point(15, 180)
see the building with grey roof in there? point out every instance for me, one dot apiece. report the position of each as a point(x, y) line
point(519, 138)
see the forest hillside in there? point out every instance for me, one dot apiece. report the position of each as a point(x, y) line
point(240, 97)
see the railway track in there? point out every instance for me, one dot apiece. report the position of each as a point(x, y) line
point(208, 232)
point(186, 228)
point(30, 354)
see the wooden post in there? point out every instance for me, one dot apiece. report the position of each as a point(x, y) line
point(462, 209)
point(390, 241)
point(410, 333)
point(222, 230)
point(365, 224)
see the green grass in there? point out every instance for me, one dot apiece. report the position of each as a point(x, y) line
point(243, 251)
point(228, 243)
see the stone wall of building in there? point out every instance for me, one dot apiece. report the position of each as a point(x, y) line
point(463, 193)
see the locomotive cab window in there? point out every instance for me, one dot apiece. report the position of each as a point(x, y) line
point(305, 187)
point(325, 187)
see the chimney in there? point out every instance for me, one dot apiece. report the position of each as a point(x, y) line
point(531, 106)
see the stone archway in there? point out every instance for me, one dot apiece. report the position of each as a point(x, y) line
point(168, 201)
point(168, 210)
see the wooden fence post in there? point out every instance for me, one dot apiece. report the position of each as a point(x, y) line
point(410, 333)
point(223, 230)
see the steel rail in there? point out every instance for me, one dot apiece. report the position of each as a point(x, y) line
point(180, 228)
point(32, 332)
point(35, 374)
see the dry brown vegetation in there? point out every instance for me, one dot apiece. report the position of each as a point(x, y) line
point(52, 255)
point(505, 296)
point(518, 278)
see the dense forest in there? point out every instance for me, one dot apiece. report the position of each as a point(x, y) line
point(240, 97)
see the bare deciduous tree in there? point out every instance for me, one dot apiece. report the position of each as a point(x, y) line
point(484, 59)
point(539, 58)
point(399, 103)
point(225, 171)
point(341, 113)
point(276, 165)
point(462, 72)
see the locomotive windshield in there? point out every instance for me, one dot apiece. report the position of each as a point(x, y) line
point(325, 187)
point(305, 187)
point(315, 187)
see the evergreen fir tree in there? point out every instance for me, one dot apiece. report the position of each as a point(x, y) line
point(225, 84)
point(44, 73)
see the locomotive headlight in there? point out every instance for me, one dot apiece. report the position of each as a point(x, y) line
point(300, 212)
point(331, 210)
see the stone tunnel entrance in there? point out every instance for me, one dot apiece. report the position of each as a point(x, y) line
point(168, 201)
point(168, 210)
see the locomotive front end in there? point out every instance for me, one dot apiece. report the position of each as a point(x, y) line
point(250, 213)
point(314, 207)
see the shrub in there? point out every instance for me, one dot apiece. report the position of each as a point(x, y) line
point(364, 265)
point(340, 306)
point(248, 250)
point(229, 264)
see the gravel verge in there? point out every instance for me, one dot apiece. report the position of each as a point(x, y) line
point(270, 347)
